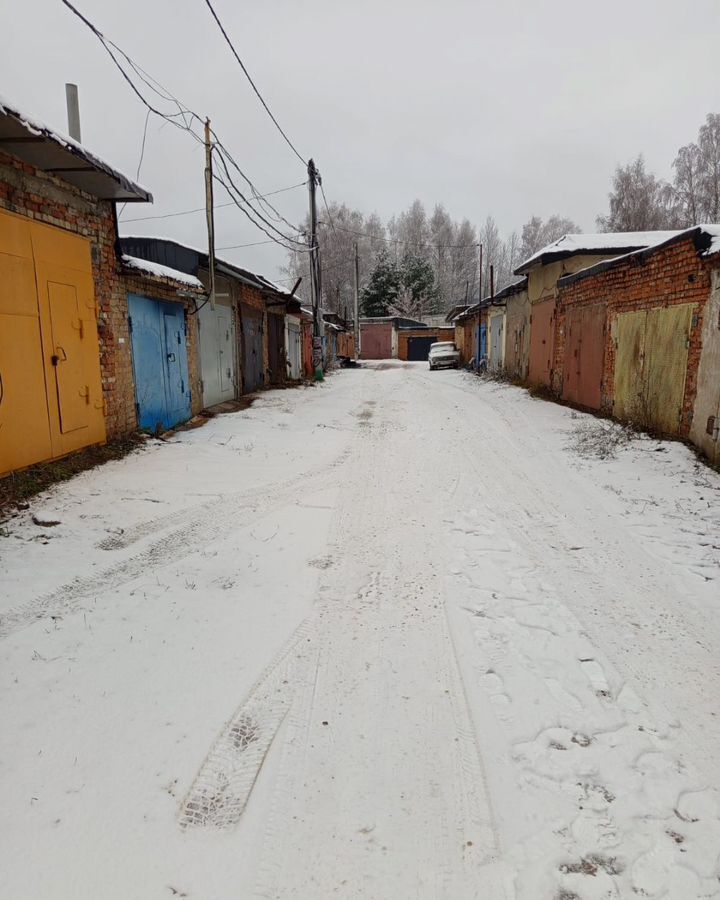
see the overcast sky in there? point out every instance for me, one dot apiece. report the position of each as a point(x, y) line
point(514, 108)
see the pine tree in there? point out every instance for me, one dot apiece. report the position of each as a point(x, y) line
point(420, 295)
point(382, 289)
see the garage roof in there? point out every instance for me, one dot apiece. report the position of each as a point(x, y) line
point(35, 143)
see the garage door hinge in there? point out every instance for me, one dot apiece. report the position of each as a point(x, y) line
point(130, 327)
point(137, 411)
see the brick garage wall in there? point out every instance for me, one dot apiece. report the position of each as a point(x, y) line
point(671, 276)
point(166, 289)
point(42, 197)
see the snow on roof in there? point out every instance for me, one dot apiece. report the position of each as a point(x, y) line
point(711, 234)
point(714, 232)
point(260, 280)
point(160, 271)
point(574, 244)
point(50, 150)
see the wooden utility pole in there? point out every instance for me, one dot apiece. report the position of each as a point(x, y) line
point(209, 212)
point(357, 303)
point(480, 279)
point(315, 283)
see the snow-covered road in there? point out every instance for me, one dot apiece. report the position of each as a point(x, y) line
point(387, 637)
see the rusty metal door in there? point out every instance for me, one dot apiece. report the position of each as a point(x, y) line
point(276, 348)
point(542, 342)
point(667, 340)
point(584, 355)
point(253, 368)
point(376, 340)
point(629, 389)
point(651, 366)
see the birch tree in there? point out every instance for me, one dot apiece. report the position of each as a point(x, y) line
point(639, 201)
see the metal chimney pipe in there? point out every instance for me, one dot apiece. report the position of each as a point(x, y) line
point(73, 111)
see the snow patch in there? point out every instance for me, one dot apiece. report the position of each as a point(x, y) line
point(160, 271)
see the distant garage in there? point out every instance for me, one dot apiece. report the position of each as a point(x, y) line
point(414, 343)
point(418, 348)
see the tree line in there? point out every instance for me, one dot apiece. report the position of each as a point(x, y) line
point(419, 263)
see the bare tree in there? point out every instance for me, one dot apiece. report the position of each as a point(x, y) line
point(492, 250)
point(537, 234)
point(340, 229)
point(709, 144)
point(442, 236)
point(639, 201)
point(688, 183)
point(464, 256)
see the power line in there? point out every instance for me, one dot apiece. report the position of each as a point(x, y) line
point(226, 153)
point(183, 113)
point(327, 208)
point(252, 83)
point(239, 246)
point(142, 156)
point(108, 45)
point(232, 189)
point(187, 212)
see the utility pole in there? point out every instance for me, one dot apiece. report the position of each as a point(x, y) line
point(357, 303)
point(480, 263)
point(315, 282)
point(209, 212)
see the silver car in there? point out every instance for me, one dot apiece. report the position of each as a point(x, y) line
point(444, 355)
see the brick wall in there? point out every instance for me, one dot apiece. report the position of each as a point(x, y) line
point(46, 198)
point(671, 276)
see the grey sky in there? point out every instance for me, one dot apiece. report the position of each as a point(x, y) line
point(510, 108)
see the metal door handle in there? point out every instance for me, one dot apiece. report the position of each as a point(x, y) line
point(56, 358)
point(171, 357)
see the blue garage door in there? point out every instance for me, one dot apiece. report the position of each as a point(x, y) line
point(159, 348)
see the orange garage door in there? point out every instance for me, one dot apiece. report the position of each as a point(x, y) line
point(50, 385)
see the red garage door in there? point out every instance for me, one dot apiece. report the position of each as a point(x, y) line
point(542, 342)
point(584, 355)
point(376, 341)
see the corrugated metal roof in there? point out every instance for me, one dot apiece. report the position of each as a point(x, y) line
point(169, 252)
point(35, 143)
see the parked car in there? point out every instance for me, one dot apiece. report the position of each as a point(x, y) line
point(444, 355)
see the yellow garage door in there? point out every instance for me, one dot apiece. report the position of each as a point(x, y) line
point(667, 339)
point(50, 383)
point(629, 389)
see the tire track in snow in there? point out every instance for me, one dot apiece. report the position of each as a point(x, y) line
point(198, 527)
point(380, 788)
